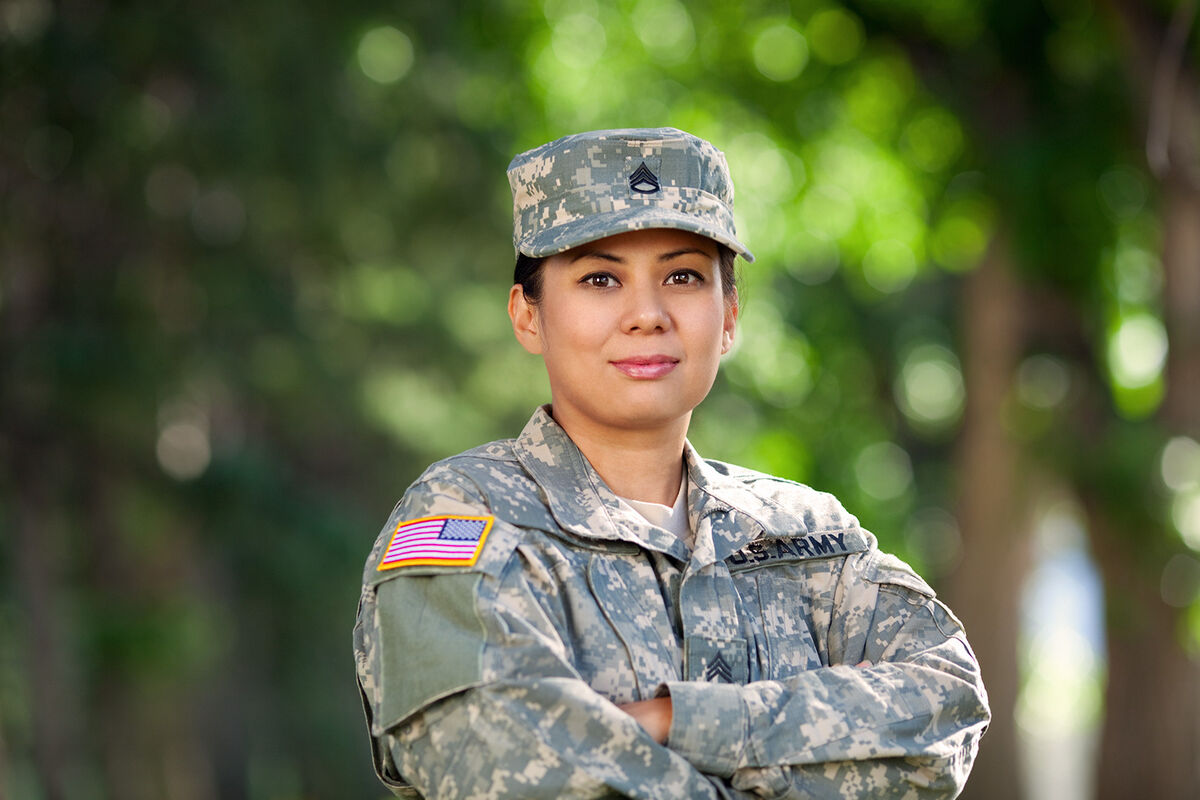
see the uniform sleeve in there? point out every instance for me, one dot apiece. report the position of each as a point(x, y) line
point(470, 691)
point(907, 726)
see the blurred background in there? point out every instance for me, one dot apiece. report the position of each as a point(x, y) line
point(253, 265)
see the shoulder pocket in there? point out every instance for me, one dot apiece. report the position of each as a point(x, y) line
point(428, 636)
point(429, 642)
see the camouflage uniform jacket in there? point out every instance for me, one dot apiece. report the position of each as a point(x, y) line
point(499, 679)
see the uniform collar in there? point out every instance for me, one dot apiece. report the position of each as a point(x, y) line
point(711, 489)
point(583, 504)
point(737, 515)
point(580, 500)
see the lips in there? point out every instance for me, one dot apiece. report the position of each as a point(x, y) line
point(646, 367)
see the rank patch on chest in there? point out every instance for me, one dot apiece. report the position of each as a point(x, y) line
point(437, 541)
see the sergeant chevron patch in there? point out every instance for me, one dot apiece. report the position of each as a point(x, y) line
point(643, 181)
point(718, 670)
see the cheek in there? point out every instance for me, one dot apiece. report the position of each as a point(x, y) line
point(568, 329)
point(708, 328)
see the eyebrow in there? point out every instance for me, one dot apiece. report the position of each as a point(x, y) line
point(605, 256)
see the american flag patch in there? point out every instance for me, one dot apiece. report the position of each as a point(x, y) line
point(445, 541)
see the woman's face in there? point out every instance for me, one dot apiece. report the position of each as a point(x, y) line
point(631, 328)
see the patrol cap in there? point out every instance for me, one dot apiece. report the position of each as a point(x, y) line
point(590, 185)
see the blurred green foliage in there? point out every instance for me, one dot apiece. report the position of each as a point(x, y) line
point(254, 265)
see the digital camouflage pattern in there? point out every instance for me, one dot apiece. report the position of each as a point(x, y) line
point(590, 185)
point(499, 679)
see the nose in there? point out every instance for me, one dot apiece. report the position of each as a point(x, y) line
point(646, 311)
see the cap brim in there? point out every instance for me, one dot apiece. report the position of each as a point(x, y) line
point(561, 238)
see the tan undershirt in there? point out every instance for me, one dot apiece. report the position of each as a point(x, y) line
point(673, 518)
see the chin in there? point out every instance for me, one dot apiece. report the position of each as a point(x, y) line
point(637, 416)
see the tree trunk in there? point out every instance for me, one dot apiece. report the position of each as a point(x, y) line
point(992, 515)
point(29, 468)
point(1152, 721)
point(1181, 304)
point(1152, 706)
point(52, 700)
point(1153, 693)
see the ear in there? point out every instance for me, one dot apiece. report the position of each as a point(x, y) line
point(524, 316)
point(729, 325)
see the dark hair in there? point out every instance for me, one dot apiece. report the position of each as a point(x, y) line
point(528, 273)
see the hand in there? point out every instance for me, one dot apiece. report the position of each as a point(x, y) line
point(653, 715)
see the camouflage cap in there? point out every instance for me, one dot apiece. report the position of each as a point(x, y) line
point(590, 185)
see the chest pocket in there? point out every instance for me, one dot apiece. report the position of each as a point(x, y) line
point(785, 614)
point(645, 651)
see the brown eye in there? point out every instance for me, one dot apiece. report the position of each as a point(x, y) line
point(683, 277)
point(599, 280)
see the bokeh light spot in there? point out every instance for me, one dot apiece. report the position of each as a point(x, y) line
point(382, 292)
point(1042, 382)
point(811, 259)
point(1185, 513)
point(835, 35)
point(183, 449)
point(578, 40)
point(933, 140)
point(665, 29)
point(884, 470)
point(385, 54)
point(930, 386)
point(879, 94)
point(773, 358)
point(780, 51)
point(1180, 581)
point(960, 237)
point(420, 411)
point(889, 265)
point(1180, 464)
point(761, 167)
point(1137, 350)
point(1138, 274)
point(557, 9)
point(25, 20)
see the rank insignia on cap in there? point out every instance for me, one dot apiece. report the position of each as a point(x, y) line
point(643, 181)
point(438, 541)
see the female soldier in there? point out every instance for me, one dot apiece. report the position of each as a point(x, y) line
point(592, 609)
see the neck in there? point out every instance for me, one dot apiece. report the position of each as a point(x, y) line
point(640, 464)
